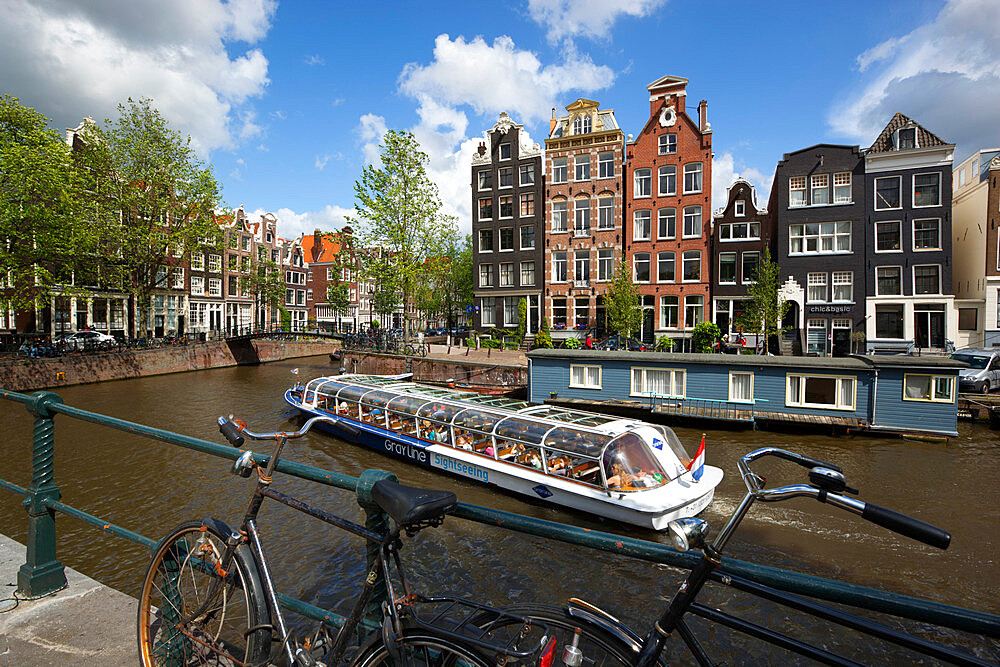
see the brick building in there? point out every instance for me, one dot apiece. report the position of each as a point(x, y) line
point(583, 211)
point(668, 204)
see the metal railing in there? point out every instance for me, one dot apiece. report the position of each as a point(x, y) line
point(705, 408)
point(42, 573)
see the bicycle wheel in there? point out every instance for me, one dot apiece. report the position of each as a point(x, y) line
point(420, 647)
point(233, 630)
point(597, 646)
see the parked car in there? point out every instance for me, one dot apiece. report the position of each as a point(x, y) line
point(86, 340)
point(620, 343)
point(983, 373)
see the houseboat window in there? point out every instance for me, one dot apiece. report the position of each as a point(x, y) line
point(658, 382)
point(585, 376)
point(821, 391)
point(934, 388)
point(630, 466)
point(741, 387)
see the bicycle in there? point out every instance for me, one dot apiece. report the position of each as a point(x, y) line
point(586, 634)
point(208, 596)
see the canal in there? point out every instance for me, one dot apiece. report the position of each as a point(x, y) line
point(149, 487)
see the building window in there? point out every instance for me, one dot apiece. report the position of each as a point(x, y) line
point(488, 313)
point(486, 208)
point(694, 310)
point(740, 387)
point(665, 271)
point(659, 382)
point(581, 267)
point(507, 206)
point(820, 184)
point(178, 277)
point(510, 311)
point(528, 237)
point(817, 288)
point(668, 312)
point(740, 208)
point(606, 165)
point(215, 287)
point(485, 240)
point(581, 217)
point(507, 274)
point(559, 170)
point(926, 190)
point(667, 144)
point(843, 286)
point(504, 151)
point(927, 279)
point(486, 275)
point(727, 268)
point(197, 285)
point(506, 177)
point(559, 313)
point(692, 177)
point(907, 138)
point(605, 213)
point(642, 179)
point(642, 224)
point(666, 223)
point(889, 321)
point(825, 237)
point(640, 264)
point(485, 179)
point(559, 216)
point(692, 222)
point(927, 234)
point(584, 376)
point(968, 318)
point(582, 310)
point(887, 237)
point(559, 267)
point(888, 281)
point(820, 391)
point(691, 266)
point(667, 180)
point(739, 231)
point(214, 263)
point(842, 188)
point(582, 167)
point(527, 173)
point(933, 388)
point(796, 191)
point(506, 239)
point(751, 262)
point(887, 192)
point(527, 204)
point(527, 274)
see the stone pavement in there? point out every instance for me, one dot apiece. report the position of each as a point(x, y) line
point(84, 624)
point(499, 357)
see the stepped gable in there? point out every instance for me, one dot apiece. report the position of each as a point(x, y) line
point(925, 138)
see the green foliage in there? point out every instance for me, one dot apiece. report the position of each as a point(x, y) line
point(764, 311)
point(265, 284)
point(543, 338)
point(664, 344)
point(338, 292)
point(470, 341)
point(446, 289)
point(522, 320)
point(490, 344)
point(621, 303)
point(572, 343)
point(704, 335)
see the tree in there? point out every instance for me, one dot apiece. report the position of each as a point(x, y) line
point(343, 270)
point(543, 338)
point(621, 303)
point(399, 210)
point(161, 198)
point(765, 311)
point(704, 335)
point(46, 221)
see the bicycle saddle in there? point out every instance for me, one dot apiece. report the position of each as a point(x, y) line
point(408, 505)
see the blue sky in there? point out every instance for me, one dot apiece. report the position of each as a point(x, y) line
point(288, 99)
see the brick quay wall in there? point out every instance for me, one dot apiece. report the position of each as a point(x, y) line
point(501, 372)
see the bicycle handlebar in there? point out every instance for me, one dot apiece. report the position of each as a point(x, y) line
point(234, 430)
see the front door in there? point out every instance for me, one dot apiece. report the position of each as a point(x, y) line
point(158, 326)
point(841, 342)
point(928, 326)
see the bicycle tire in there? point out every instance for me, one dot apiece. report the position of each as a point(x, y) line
point(422, 647)
point(599, 647)
point(235, 631)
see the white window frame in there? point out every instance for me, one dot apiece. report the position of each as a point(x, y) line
point(697, 171)
point(500, 203)
point(817, 279)
point(481, 176)
point(604, 159)
point(840, 175)
point(506, 274)
point(819, 183)
point(664, 145)
point(479, 203)
point(732, 374)
point(601, 208)
point(899, 227)
point(586, 369)
point(684, 261)
point(913, 279)
point(673, 262)
point(913, 190)
point(197, 262)
point(744, 279)
point(562, 165)
point(799, 401)
point(701, 222)
point(483, 250)
point(664, 305)
point(527, 273)
point(555, 266)
point(560, 215)
point(796, 184)
point(740, 208)
point(665, 171)
point(881, 268)
point(660, 216)
point(605, 264)
point(581, 163)
point(933, 398)
point(488, 311)
point(486, 275)
point(581, 215)
point(899, 179)
point(735, 260)
point(500, 235)
point(500, 172)
point(837, 278)
point(675, 374)
point(526, 169)
point(501, 151)
point(819, 238)
point(643, 175)
point(644, 233)
point(913, 235)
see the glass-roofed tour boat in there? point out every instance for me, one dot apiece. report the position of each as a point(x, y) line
point(621, 469)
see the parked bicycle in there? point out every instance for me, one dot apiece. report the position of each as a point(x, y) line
point(587, 635)
point(208, 596)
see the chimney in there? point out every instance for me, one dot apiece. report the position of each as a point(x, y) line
point(703, 116)
point(552, 121)
point(317, 245)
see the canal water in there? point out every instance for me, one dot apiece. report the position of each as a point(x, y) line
point(150, 486)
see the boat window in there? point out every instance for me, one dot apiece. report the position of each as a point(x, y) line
point(407, 404)
point(377, 399)
point(347, 399)
point(479, 420)
point(630, 466)
point(672, 441)
point(521, 430)
point(576, 441)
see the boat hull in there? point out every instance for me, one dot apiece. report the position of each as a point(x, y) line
point(651, 509)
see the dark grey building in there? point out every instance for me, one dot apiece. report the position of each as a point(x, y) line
point(508, 209)
point(908, 188)
point(818, 206)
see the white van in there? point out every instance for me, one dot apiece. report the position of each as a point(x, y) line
point(983, 373)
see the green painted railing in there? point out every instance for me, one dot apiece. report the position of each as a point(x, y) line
point(42, 573)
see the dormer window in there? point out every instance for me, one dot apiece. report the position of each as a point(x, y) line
point(504, 151)
point(906, 138)
point(581, 125)
point(741, 208)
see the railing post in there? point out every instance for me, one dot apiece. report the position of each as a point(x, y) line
point(378, 521)
point(41, 573)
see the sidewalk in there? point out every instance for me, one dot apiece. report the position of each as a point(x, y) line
point(499, 357)
point(84, 624)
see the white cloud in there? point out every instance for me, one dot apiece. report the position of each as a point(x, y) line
point(370, 130)
point(291, 224)
point(71, 59)
point(586, 18)
point(314, 59)
point(321, 161)
point(279, 114)
point(944, 74)
point(726, 169)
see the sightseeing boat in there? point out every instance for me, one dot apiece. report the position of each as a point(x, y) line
point(622, 469)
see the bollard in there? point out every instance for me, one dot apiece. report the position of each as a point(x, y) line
point(41, 573)
point(378, 521)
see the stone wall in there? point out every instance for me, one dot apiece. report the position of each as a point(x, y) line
point(31, 374)
point(435, 369)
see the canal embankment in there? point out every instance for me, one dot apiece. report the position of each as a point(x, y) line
point(507, 370)
point(25, 374)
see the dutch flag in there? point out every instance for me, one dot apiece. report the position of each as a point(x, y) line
point(697, 465)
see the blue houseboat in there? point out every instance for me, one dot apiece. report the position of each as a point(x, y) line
point(898, 394)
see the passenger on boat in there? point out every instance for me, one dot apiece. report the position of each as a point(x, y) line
point(464, 441)
point(559, 466)
point(532, 459)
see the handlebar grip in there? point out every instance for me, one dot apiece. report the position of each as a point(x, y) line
point(231, 431)
point(905, 525)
